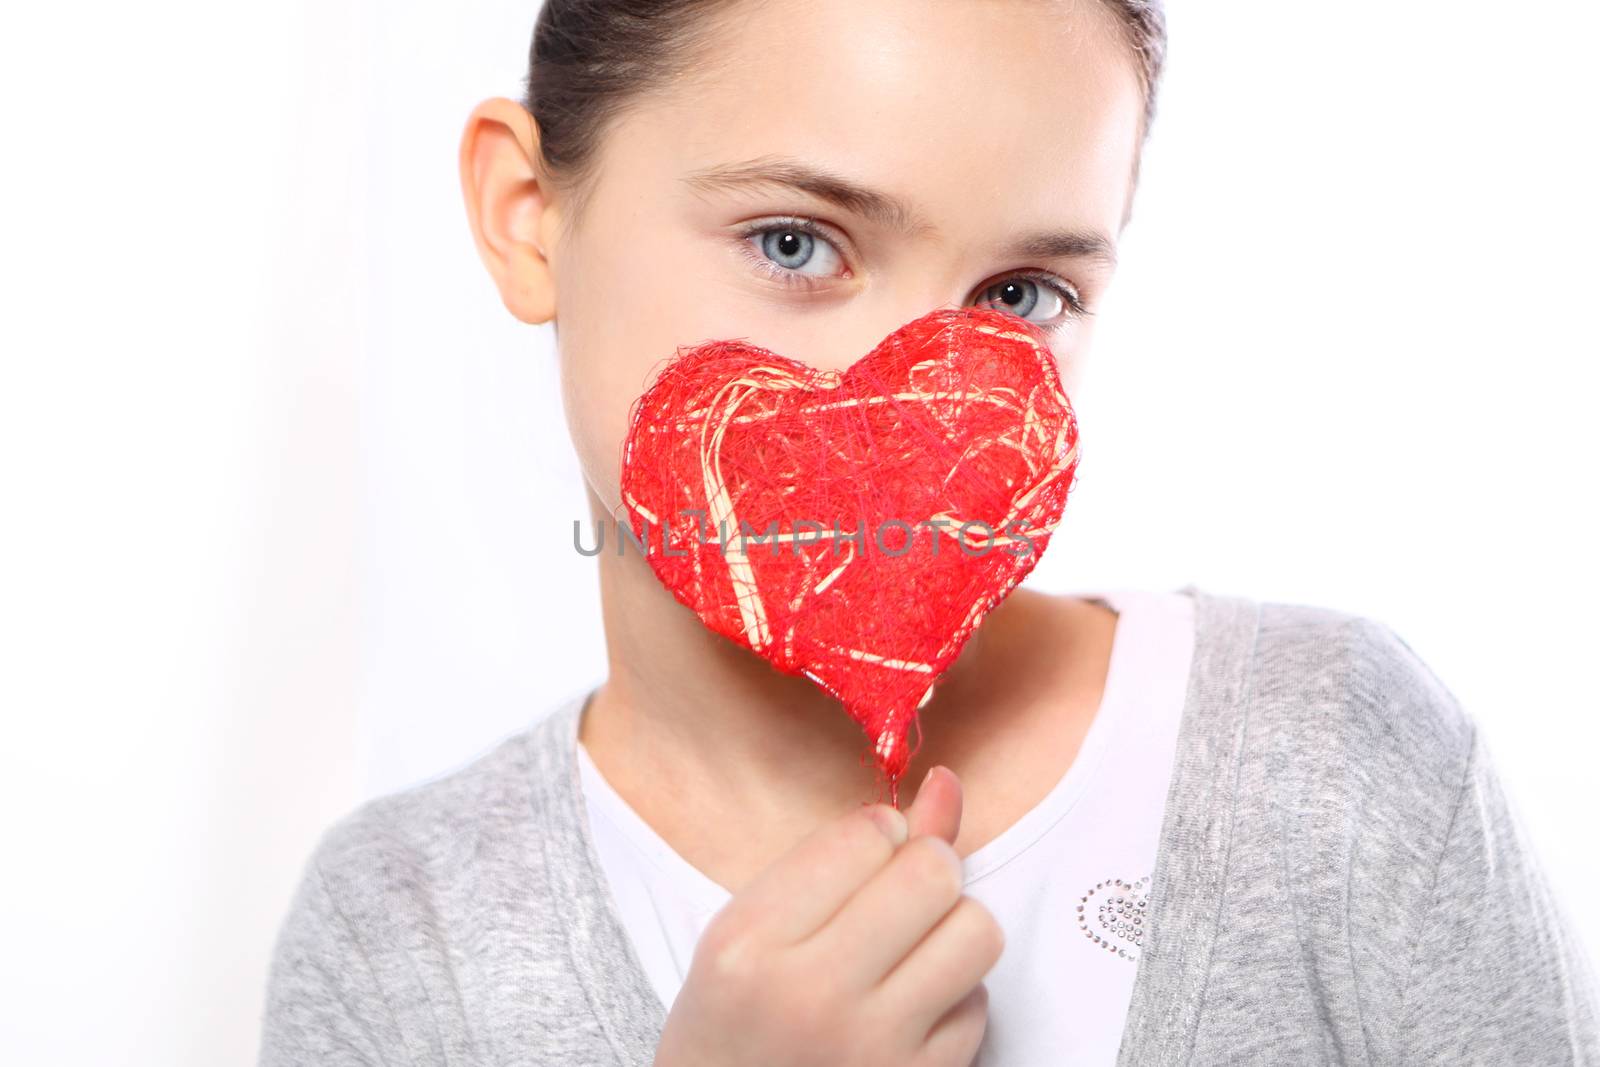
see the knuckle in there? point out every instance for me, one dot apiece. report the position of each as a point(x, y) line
point(982, 929)
point(934, 864)
point(862, 833)
point(852, 841)
point(992, 935)
point(728, 956)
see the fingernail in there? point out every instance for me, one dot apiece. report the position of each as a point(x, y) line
point(891, 822)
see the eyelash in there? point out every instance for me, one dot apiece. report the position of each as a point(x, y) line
point(1069, 295)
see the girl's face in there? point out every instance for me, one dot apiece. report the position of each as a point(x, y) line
point(829, 171)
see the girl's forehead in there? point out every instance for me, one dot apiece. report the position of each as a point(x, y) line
point(971, 107)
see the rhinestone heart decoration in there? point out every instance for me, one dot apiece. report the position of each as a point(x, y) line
point(1114, 915)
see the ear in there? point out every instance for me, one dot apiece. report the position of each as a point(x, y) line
point(511, 213)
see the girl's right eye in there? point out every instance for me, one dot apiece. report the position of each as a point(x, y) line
point(793, 251)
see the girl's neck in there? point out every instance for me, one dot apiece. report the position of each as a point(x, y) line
point(717, 749)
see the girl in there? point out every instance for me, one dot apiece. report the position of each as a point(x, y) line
point(1151, 827)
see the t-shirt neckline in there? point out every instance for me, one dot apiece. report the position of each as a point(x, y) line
point(1074, 782)
point(610, 805)
point(989, 857)
point(1187, 883)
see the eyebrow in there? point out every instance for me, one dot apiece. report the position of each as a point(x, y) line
point(884, 208)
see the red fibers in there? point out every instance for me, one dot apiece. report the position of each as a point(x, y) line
point(871, 586)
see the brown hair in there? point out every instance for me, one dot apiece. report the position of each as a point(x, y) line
point(589, 57)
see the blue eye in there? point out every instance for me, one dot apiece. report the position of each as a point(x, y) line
point(794, 248)
point(798, 252)
point(1025, 294)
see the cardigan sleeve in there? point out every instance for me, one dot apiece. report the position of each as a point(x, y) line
point(323, 1003)
point(1497, 974)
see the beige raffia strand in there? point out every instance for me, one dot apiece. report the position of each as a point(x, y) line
point(723, 410)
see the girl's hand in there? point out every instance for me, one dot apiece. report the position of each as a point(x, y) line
point(856, 947)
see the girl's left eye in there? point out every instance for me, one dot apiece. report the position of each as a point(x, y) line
point(797, 252)
point(1036, 296)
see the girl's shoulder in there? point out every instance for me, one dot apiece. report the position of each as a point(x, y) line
point(1347, 683)
point(441, 821)
point(1315, 732)
point(1313, 680)
point(1363, 832)
point(414, 907)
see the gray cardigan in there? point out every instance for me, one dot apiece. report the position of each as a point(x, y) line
point(1340, 879)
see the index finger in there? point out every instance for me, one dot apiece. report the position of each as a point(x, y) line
point(802, 889)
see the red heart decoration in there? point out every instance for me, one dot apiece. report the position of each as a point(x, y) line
point(907, 497)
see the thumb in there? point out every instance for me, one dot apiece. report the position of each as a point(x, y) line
point(937, 807)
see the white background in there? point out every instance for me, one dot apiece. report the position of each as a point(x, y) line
point(288, 495)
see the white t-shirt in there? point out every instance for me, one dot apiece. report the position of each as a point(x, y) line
point(1068, 881)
